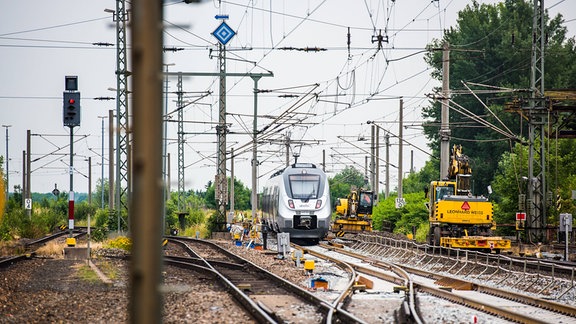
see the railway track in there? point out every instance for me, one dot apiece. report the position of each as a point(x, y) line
point(512, 305)
point(267, 297)
point(29, 249)
point(386, 288)
point(556, 279)
point(543, 265)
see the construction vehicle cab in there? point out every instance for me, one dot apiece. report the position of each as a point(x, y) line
point(457, 218)
point(354, 213)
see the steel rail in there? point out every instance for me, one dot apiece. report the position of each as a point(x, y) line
point(513, 296)
point(402, 278)
point(245, 301)
point(332, 314)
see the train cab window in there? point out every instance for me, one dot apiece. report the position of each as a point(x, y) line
point(365, 199)
point(304, 186)
point(442, 192)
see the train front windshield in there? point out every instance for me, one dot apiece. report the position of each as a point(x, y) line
point(304, 186)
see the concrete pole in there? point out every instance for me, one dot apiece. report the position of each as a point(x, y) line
point(24, 176)
point(400, 146)
point(387, 193)
point(7, 167)
point(28, 171)
point(366, 168)
point(377, 166)
point(287, 151)
point(169, 175)
point(254, 150)
point(102, 167)
point(111, 169)
point(89, 180)
point(445, 113)
point(232, 197)
point(372, 155)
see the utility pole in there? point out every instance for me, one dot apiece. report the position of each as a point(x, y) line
point(121, 17)
point(165, 164)
point(287, 144)
point(89, 180)
point(387, 192)
point(7, 166)
point(254, 149)
point(111, 189)
point(102, 165)
point(372, 156)
point(180, 114)
point(146, 301)
point(400, 150)
point(538, 117)
point(377, 165)
point(232, 197)
point(28, 200)
point(445, 113)
point(24, 177)
point(221, 183)
point(221, 130)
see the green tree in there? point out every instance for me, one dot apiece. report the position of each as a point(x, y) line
point(417, 181)
point(97, 194)
point(241, 196)
point(491, 45)
point(403, 220)
point(509, 183)
point(341, 183)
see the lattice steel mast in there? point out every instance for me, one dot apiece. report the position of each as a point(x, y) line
point(180, 146)
point(536, 201)
point(122, 130)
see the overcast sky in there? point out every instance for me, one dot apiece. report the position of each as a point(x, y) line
point(333, 91)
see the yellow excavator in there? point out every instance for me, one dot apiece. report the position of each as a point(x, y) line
point(354, 213)
point(457, 218)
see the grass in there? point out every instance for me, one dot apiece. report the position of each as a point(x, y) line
point(84, 272)
point(109, 270)
point(51, 249)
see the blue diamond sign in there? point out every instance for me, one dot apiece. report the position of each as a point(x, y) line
point(224, 33)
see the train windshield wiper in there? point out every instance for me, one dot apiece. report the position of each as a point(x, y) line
point(311, 195)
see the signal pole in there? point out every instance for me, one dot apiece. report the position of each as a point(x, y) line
point(71, 114)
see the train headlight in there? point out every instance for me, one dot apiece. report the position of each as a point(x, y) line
point(318, 203)
point(291, 203)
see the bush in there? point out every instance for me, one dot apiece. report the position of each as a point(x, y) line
point(200, 228)
point(16, 223)
point(99, 234)
point(195, 217)
point(120, 242)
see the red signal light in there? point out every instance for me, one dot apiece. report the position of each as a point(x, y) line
point(71, 101)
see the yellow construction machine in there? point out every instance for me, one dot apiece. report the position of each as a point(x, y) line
point(354, 213)
point(457, 218)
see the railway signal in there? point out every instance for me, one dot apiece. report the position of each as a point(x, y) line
point(71, 115)
point(71, 109)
